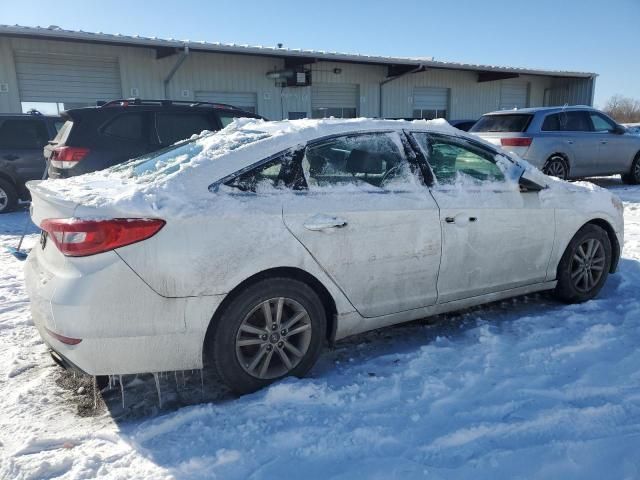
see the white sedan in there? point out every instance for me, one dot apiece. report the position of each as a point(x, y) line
point(249, 248)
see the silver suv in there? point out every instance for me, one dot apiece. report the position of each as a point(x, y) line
point(566, 142)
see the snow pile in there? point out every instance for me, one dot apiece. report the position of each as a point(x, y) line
point(526, 388)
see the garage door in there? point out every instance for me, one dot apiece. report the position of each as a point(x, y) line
point(247, 101)
point(340, 100)
point(513, 94)
point(69, 79)
point(430, 102)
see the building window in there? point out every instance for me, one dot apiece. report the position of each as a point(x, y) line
point(297, 115)
point(339, 112)
point(429, 114)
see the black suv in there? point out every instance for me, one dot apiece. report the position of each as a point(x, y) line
point(95, 138)
point(22, 137)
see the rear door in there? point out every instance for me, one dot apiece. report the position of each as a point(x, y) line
point(21, 144)
point(369, 222)
point(577, 132)
point(495, 237)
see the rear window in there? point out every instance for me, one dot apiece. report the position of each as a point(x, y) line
point(173, 127)
point(171, 159)
point(502, 123)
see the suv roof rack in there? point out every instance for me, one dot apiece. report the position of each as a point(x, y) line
point(124, 102)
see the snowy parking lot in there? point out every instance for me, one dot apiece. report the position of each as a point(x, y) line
point(526, 388)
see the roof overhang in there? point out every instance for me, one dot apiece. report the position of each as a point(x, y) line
point(292, 57)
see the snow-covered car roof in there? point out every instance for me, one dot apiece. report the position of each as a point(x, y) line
point(188, 168)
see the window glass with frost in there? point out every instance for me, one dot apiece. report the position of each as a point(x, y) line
point(369, 161)
point(454, 161)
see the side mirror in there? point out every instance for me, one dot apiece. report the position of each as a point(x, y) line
point(619, 130)
point(529, 182)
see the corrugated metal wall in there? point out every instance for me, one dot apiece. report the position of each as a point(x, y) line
point(140, 70)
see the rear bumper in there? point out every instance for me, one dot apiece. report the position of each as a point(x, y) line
point(124, 326)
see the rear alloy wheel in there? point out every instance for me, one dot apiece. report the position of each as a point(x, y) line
point(584, 266)
point(8, 197)
point(556, 166)
point(633, 177)
point(273, 329)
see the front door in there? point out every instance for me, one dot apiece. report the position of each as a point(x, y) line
point(495, 237)
point(369, 222)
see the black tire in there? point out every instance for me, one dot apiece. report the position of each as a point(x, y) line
point(556, 166)
point(221, 348)
point(633, 177)
point(570, 289)
point(8, 196)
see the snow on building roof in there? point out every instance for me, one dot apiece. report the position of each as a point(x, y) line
point(54, 32)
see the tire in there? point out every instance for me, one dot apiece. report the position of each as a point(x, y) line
point(577, 281)
point(239, 354)
point(556, 166)
point(633, 177)
point(8, 196)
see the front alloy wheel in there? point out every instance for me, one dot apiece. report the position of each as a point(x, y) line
point(584, 266)
point(556, 166)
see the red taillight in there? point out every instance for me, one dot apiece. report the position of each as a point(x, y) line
point(63, 339)
point(80, 238)
point(516, 141)
point(67, 157)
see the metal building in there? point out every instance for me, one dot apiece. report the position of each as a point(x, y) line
point(74, 68)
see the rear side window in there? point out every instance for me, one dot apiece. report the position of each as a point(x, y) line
point(283, 172)
point(502, 123)
point(129, 126)
point(173, 127)
point(573, 121)
point(16, 133)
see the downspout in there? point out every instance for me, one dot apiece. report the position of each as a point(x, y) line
point(419, 68)
point(172, 72)
point(593, 90)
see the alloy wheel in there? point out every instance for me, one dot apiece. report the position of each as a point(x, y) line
point(587, 265)
point(273, 338)
point(4, 199)
point(556, 168)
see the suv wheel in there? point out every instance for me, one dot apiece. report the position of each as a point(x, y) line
point(273, 329)
point(557, 166)
point(584, 266)
point(633, 177)
point(8, 196)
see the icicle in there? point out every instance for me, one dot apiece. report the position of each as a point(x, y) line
point(95, 393)
point(157, 379)
point(175, 374)
point(202, 382)
point(121, 390)
point(184, 381)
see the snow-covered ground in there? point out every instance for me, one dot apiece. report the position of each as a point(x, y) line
point(527, 388)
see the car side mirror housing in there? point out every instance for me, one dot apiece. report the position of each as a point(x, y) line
point(619, 130)
point(530, 182)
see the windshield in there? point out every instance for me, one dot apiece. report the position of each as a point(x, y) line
point(502, 123)
point(171, 159)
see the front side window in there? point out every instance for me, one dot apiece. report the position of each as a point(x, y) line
point(173, 127)
point(375, 159)
point(23, 134)
point(452, 160)
point(601, 123)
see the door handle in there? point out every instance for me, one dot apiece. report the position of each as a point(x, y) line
point(603, 142)
point(450, 220)
point(10, 157)
point(570, 142)
point(463, 221)
point(322, 222)
point(473, 219)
